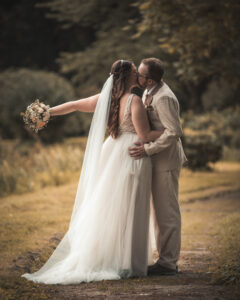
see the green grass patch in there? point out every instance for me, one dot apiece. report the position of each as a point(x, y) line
point(28, 167)
point(227, 269)
point(29, 220)
point(223, 177)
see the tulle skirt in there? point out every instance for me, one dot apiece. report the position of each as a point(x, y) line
point(110, 237)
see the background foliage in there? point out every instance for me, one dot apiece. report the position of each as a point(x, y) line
point(204, 36)
point(21, 87)
point(61, 50)
point(58, 51)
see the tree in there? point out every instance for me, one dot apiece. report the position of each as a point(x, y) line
point(204, 35)
point(29, 39)
point(89, 68)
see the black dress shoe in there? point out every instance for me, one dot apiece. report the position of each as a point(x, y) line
point(152, 267)
point(158, 270)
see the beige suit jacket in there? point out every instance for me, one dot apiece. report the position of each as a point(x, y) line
point(166, 151)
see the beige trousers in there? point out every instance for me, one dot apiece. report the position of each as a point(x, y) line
point(166, 216)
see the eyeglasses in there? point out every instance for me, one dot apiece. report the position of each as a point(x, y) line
point(140, 75)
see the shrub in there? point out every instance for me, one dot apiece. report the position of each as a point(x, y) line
point(21, 87)
point(201, 148)
point(225, 125)
point(218, 95)
point(230, 154)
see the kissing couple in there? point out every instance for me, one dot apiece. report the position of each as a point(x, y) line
point(126, 204)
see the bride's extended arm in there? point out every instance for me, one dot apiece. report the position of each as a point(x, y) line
point(84, 105)
point(140, 122)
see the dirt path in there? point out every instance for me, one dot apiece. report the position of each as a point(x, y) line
point(199, 218)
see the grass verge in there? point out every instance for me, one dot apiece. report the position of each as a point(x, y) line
point(28, 167)
point(227, 269)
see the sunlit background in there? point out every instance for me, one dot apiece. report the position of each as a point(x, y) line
point(62, 50)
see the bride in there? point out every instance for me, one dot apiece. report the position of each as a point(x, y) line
point(108, 235)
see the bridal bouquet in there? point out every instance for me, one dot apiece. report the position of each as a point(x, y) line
point(36, 115)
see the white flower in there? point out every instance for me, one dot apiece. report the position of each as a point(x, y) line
point(40, 110)
point(37, 115)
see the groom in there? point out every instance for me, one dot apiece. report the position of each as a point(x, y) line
point(167, 158)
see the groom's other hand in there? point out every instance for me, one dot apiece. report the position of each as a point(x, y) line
point(137, 151)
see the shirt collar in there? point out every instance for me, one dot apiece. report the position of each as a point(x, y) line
point(149, 91)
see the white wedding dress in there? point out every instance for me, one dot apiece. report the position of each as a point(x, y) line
point(109, 238)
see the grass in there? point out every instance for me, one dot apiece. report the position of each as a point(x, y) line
point(227, 270)
point(28, 167)
point(223, 178)
point(24, 217)
point(30, 219)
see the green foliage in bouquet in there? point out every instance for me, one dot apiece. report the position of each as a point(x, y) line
point(21, 87)
point(201, 149)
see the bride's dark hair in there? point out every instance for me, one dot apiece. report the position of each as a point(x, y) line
point(121, 69)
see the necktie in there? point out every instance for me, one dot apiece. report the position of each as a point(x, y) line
point(149, 97)
point(148, 100)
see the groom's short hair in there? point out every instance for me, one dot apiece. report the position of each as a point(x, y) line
point(155, 68)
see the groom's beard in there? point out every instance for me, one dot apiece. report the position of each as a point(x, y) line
point(142, 86)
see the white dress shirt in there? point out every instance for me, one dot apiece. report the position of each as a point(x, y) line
point(149, 91)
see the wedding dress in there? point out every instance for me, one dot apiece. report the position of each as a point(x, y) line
point(109, 238)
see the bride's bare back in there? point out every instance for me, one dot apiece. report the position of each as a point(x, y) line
point(138, 117)
point(123, 103)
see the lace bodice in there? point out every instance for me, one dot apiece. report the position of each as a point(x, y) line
point(127, 124)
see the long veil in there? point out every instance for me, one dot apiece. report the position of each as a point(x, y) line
point(87, 178)
point(93, 148)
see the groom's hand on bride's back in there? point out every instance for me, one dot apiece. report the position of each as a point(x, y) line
point(137, 151)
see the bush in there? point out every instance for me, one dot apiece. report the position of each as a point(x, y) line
point(230, 154)
point(21, 87)
point(224, 125)
point(218, 95)
point(201, 149)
